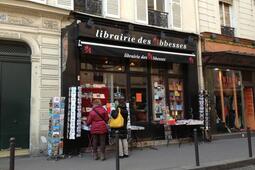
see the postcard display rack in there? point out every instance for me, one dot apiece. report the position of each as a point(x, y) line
point(74, 113)
point(56, 125)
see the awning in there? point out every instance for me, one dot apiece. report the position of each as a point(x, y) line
point(229, 58)
point(134, 53)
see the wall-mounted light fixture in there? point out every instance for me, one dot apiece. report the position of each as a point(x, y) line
point(213, 36)
point(90, 23)
point(162, 34)
point(236, 40)
point(132, 64)
point(131, 27)
point(253, 43)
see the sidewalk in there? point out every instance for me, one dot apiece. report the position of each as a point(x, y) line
point(171, 157)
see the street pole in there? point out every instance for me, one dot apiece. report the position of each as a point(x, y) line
point(117, 150)
point(249, 141)
point(12, 153)
point(196, 147)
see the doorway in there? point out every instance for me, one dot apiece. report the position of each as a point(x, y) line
point(15, 93)
point(138, 99)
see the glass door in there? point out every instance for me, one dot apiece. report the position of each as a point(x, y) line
point(138, 99)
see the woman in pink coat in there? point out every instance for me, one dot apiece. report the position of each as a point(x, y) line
point(97, 119)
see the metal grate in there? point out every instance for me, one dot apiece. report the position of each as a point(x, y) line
point(9, 48)
point(229, 31)
point(158, 18)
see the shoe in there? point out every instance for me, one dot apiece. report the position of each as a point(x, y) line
point(121, 157)
point(125, 156)
point(95, 157)
point(102, 156)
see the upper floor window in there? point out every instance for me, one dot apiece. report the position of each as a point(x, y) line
point(225, 14)
point(65, 4)
point(225, 17)
point(156, 13)
point(109, 8)
point(158, 5)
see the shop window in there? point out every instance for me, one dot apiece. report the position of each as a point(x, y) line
point(138, 65)
point(227, 93)
point(175, 68)
point(158, 68)
point(158, 97)
point(108, 87)
point(247, 76)
point(176, 93)
point(102, 64)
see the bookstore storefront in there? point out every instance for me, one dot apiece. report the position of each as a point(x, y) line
point(153, 70)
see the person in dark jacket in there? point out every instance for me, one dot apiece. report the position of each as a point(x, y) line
point(123, 144)
point(97, 119)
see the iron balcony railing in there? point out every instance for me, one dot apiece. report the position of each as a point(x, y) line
point(158, 18)
point(230, 31)
point(88, 6)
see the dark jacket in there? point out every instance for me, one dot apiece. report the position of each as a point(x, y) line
point(98, 125)
point(122, 130)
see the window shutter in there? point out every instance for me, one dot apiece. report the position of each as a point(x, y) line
point(176, 14)
point(67, 4)
point(113, 8)
point(141, 11)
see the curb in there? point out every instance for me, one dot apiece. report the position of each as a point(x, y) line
point(224, 165)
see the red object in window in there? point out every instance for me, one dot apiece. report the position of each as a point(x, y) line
point(87, 49)
point(149, 56)
point(87, 102)
point(171, 122)
point(191, 60)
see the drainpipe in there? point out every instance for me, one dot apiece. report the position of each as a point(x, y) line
point(199, 50)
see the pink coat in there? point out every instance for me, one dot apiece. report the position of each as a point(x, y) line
point(98, 125)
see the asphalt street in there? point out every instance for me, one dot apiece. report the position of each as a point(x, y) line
point(171, 157)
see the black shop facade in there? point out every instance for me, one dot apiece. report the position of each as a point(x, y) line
point(153, 69)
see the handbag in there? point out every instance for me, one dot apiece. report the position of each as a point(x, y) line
point(107, 125)
point(117, 122)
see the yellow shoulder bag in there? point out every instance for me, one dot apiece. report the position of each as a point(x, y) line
point(118, 122)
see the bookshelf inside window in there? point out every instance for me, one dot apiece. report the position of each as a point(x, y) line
point(176, 104)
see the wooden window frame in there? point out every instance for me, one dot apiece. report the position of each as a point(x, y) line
point(140, 21)
point(223, 11)
point(111, 15)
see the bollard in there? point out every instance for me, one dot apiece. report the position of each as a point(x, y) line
point(117, 150)
point(196, 147)
point(12, 153)
point(249, 141)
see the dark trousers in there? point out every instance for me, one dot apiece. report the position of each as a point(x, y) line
point(98, 138)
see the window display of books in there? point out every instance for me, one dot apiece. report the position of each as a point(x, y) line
point(56, 126)
point(176, 98)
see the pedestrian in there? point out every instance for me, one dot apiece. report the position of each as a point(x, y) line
point(97, 118)
point(123, 144)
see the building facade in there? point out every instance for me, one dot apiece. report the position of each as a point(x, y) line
point(30, 69)
point(141, 50)
point(228, 54)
